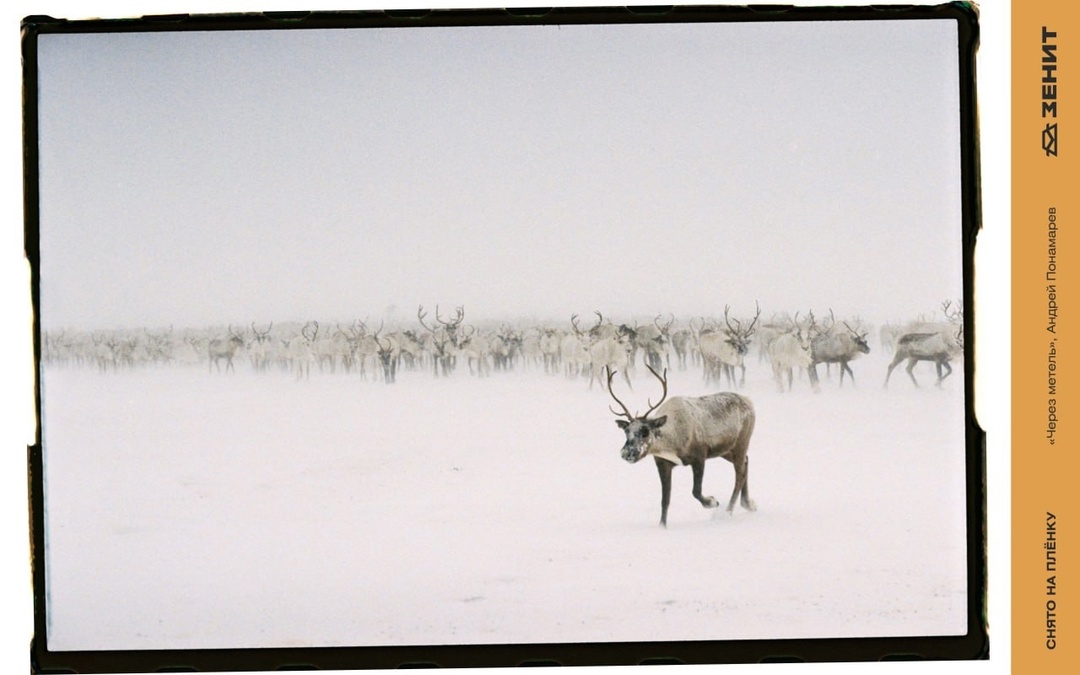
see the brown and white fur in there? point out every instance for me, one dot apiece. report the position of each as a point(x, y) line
point(688, 431)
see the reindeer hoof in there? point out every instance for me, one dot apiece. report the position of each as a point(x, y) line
point(750, 505)
point(710, 503)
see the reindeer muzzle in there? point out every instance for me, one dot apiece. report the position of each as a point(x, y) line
point(632, 454)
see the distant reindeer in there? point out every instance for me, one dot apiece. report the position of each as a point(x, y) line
point(790, 351)
point(301, 349)
point(362, 347)
point(607, 353)
point(937, 347)
point(603, 346)
point(722, 351)
point(532, 355)
point(653, 340)
point(574, 351)
point(261, 348)
point(832, 347)
point(388, 352)
point(442, 339)
point(610, 352)
point(551, 349)
point(603, 328)
point(332, 349)
point(689, 431)
point(682, 342)
point(889, 334)
point(219, 349)
point(505, 347)
point(475, 347)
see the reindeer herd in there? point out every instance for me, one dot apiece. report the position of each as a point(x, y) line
point(448, 346)
point(676, 431)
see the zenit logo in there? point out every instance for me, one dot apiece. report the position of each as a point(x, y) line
point(1049, 91)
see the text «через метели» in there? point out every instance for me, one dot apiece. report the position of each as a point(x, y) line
point(1051, 323)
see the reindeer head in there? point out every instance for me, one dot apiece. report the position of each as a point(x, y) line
point(859, 338)
point(737, 336)
point(235, 339)
point(640, 429)
point(262, 337)
point(806, 330)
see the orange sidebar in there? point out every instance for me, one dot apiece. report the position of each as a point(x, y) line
point(1046, 336)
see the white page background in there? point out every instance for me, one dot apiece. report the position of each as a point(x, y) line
point(16, 626)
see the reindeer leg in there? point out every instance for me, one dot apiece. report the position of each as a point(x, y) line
point(896, 360)
point(747, 503)
point(742, 487)
point(844, 367)
point(699, 473)
point(910, 368)
point(948, 371)
point(664, 467)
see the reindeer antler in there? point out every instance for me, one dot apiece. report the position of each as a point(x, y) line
point(625, 412)
point(577, 329)
point(663, 381)
point(420, 314)
point(459, 315)
point(731, 329)
point(262, 335)
point(827, 327)
point(953, 315)
point(757, 315)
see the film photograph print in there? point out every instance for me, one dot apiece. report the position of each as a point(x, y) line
point(473, 329)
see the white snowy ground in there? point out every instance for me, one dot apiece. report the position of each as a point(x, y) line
point(189, 510)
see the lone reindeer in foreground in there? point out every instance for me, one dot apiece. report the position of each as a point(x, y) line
point(689, 431)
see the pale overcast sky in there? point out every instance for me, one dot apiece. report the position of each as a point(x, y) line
point(192, 178)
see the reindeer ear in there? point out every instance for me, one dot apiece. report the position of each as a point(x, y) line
point(622, 424)
point(658, 422)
